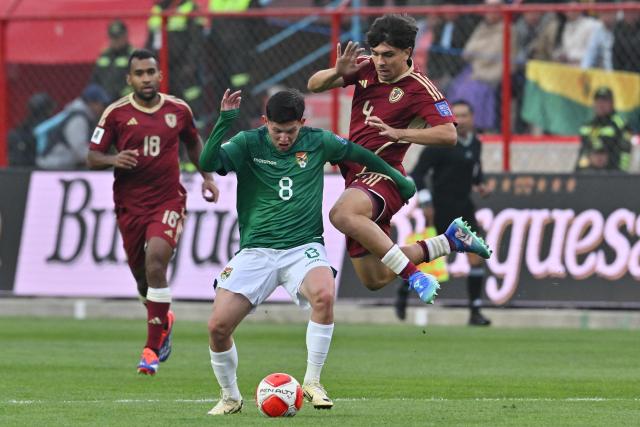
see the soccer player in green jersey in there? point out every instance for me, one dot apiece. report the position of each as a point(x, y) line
point(280, 173)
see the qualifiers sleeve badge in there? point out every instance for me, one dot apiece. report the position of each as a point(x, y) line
point(96, 137)
point(341, 140)
point(443, 109)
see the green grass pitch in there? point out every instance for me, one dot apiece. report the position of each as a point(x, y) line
point(72, 372)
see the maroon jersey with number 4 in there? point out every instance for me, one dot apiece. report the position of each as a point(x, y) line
point(411, 101)
point(155, 133)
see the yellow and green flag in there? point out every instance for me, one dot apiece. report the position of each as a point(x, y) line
point(559, 98)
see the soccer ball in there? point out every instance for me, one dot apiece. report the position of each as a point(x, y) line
point(279, 395)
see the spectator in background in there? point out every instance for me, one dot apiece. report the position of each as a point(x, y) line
point(626, 42)
point(110, 70)
point(478, 83)
point(21, 140)
point(63, 140)
point(185, 39)
point(536, 34)
point(599, 53)
point(606, 139)
point(575, 37)
point(451, 32)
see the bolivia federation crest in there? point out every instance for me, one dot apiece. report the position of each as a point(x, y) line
point(226, 273)
point(302, 159)
point(395, 95)
point(171, 120)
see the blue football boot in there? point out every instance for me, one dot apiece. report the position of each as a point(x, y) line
point(465, 240)
point(425, 285)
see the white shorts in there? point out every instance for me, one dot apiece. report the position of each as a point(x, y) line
point(257, 272)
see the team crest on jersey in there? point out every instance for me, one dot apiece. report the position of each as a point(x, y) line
point(226, 273)
point(302, 159)
point(171, 120)
point(395, 95)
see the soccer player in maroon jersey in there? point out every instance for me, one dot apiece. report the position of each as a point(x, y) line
point(392, 105)
point(139, 136)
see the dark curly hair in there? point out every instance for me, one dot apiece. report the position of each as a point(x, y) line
point(396, 30)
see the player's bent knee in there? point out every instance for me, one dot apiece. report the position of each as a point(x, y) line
point(341, 220)
point(322, 300)
point(219, 330)
point(336, 217)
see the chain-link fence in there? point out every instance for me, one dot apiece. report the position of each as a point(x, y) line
point(564, 67)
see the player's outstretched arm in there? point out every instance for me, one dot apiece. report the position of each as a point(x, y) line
point(210, 160)
point(361, 155)
point(443, 135)
point(346, 64)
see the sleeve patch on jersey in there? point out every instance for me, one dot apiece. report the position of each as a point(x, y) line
point(97, 135)
point(443, 109)
point(341, 140)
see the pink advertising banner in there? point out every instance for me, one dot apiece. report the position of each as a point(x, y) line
point(558, 241)
point(71, 245)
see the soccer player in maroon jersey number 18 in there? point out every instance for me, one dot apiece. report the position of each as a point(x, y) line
point(139, 136)
point(392, 105)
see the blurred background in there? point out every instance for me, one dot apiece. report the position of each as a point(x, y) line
point(555, 87)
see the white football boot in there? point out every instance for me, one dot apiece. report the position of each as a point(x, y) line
point(226, 406)
point(317, 395)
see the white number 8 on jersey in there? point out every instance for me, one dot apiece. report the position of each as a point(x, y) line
point(286, 188)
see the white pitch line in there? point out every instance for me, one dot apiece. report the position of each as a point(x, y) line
point(358, 399)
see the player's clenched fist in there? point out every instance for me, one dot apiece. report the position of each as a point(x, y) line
point(126, 159)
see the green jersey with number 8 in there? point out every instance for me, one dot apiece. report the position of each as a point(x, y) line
point(280, 193)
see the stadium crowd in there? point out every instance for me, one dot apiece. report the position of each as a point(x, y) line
point(461, 53)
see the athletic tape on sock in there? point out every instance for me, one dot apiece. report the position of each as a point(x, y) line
point(395, 259)
point(438, 246)
point(159, 295)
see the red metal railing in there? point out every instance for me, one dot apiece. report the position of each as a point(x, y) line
point(335, 18)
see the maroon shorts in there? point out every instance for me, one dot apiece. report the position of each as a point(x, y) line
point(165, 222)
point(386, 202)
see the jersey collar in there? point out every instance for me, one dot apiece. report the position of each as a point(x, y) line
point(145, 109)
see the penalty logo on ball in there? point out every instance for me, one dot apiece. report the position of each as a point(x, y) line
point(279, 395)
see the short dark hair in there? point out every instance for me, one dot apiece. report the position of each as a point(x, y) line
point(396, 30)
point(285, 106)
point(462, 102)
point(141, 54)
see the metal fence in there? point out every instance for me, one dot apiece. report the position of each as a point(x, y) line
point(530, 69)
